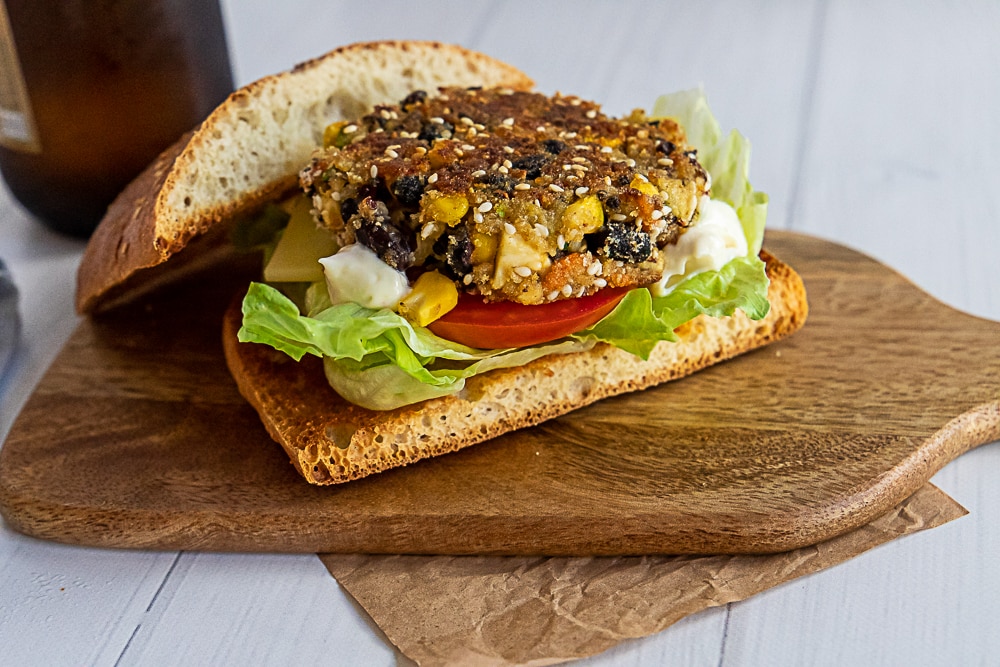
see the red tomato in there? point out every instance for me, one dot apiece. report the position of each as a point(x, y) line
point(503, 324)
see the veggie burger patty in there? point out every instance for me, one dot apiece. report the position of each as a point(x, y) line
point(515, 196)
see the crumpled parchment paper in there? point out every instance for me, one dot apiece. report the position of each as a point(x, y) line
point(473, 610)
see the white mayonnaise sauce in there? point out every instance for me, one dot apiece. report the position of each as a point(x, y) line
point(356, 274)
point(714, 239)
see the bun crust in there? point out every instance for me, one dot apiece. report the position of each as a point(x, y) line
point(249, 151)
point(330, 441)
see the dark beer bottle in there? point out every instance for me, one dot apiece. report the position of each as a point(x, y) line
point(92, 90)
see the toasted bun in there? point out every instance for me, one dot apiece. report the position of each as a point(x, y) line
point(249, 151)
point(329, 440)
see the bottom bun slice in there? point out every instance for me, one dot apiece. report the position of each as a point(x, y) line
point(330, 441)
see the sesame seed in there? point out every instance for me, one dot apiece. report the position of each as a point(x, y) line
point(374, 171)
point(508, 164)
point(541, 230)
point(478, 173)
point(593, 269)
point(503, 170)
point(606, 149)
point(508, 149)
point(579, 159)
point(391, 153)
point(479, 127)
point(567, 290)
point(485, 207)
point(567, 167)
point(351, 129)
point(540, 128)
point(607, 181)
point(433, 178)
point(522, 271)
point(664, 162)
point(630, 162)
point(560, 241)
point(437, 119)
point(385, 114)
point(642, 178)
point(336, 195)
point(472, 132)
point(619, 217)
point(552, 296)
point(477, 216)
point(465, 120)
point(582, 147)
point(470, 147)
point(522, 186)
point(591, 114)
point(555, 188)
point(642, 134)
point(427, 230)
point(579, 167)
point(467, 279)
point(571, 135)
point(509, 228)
point(420, 151)
point(459, 152)
point(580, 292)
point(600, 282)
point(509, 122)
point(667, 210)
point(575, 101)
point(582, 190)
point(656, 214)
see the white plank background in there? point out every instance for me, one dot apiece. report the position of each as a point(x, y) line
point(874, 124)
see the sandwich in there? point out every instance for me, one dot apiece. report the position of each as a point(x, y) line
point(462, 257)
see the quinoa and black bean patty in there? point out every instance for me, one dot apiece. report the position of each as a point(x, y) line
point(516, 196)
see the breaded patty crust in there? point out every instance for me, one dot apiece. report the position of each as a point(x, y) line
point(516, 196)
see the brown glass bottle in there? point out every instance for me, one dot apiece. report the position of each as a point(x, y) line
point(92, 90)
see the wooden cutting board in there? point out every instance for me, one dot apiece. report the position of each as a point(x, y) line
point(137, 437)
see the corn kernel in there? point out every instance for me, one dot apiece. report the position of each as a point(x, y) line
point(645, 187)
point(432, 296)
point(333, 134)
point(449, 209)
point(583, 216)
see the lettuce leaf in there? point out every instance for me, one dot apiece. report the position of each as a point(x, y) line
point(377, 359)
point(727, 159)
point(641, 321)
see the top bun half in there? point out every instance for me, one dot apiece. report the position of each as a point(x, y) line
point(249, 152)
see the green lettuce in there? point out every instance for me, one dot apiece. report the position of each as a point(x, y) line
point(377, 359)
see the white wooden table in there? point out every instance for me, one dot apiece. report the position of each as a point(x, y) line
point(874, 124)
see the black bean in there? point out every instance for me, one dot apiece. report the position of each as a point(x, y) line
point(373, 228)
point(531, 164)
point(665, 147)
point(376, 189)
point(613, 203)
point(455, 248)
point(416, 97)
point(554, 146)
point(348, 208)
point(626, 242)
point(499, 182)
point(408, 190)
point(623, 180)
point(431, 131)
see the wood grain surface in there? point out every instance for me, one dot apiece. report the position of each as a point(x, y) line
point(137, 437)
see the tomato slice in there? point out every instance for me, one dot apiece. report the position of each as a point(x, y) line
point(503, 324)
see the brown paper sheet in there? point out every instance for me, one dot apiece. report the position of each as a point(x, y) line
point(445, 610)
